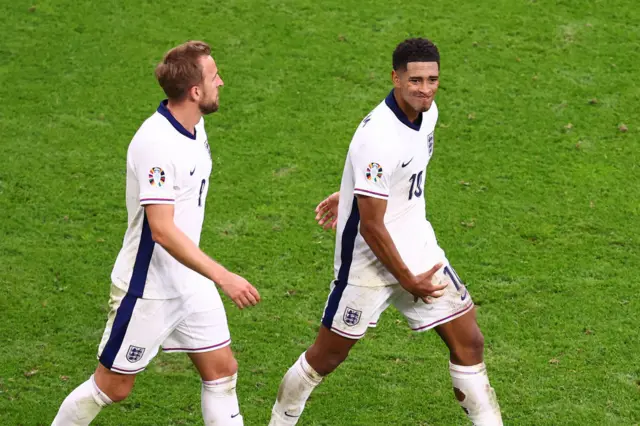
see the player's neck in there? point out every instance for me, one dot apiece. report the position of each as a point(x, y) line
point(411, 113)
point(186, 113)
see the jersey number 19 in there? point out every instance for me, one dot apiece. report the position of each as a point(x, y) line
point(416, 185)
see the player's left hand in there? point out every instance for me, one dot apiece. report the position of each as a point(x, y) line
point(327, 211)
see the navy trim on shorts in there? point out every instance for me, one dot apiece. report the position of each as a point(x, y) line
point(136, 289)
point(349, 235)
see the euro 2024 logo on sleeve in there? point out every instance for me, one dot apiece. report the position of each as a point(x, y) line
point(374, 172)
point(156, 176)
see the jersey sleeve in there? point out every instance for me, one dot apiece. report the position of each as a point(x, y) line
point(155, 172)
point(373, 166)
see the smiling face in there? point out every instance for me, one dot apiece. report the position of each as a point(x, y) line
point(416, 86)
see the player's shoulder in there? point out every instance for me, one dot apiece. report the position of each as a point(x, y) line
point(156, 129)
point(375, 131)
point(154, 134)
point(376, 121)
point(376, 125)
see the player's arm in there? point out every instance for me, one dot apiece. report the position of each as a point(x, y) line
point(152, 162)
point(377, 237)
point(165, 232)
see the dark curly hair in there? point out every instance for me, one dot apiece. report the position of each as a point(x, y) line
point(415, 50)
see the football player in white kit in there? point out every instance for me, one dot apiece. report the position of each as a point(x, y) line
point(386, 250)
point(163, 292)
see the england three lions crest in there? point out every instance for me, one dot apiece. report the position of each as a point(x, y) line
point(351, 316)
point(134, 354)
point(430, 144)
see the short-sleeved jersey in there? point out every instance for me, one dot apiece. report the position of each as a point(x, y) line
point(166, 164)
point(387, 159)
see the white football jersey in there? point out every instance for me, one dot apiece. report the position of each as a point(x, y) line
point(166, 164)
point(387, 159)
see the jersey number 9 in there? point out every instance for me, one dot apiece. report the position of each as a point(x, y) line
point(204, 182)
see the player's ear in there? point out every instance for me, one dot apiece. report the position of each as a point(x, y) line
point(395, 77)
point(195, 93)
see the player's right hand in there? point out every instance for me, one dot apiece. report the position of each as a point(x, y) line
point(426, 286)
point(239, 290)
point(327, 211)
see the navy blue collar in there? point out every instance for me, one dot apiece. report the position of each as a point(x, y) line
point(391, 102)
point(164, 111)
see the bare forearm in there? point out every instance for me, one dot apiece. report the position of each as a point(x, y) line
point(185, 251)
point(382, 245)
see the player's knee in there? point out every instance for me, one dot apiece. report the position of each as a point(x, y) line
point(476, 345)
point(230, 368)
point(470, 351)
point(224, 368)
point(327, 361)
point(335, 360)
point(119, 392)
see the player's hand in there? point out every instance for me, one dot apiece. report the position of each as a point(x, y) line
point(327, 211)
point(426, 286)
point(239, 290)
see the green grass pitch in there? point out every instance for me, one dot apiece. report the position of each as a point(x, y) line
point(533, 192)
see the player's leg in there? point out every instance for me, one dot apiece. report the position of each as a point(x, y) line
point(123, 353)
point(204, 336)
point(468, 371)
point(453, 317)
point(103, 388)
point(218, 370)
point(327, 352)
point(349, 312)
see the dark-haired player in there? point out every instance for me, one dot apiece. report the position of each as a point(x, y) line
point(386, 250)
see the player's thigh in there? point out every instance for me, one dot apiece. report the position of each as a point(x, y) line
point(204, 335)
point(134, 331)
point(351, 310)
point(463, 338)
point(454, 303)
point(328, 351)
point(215, 364)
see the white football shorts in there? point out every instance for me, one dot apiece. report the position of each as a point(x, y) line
point(136, 328)
point(351, 309)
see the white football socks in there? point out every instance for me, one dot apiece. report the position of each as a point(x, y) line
point(475, 394)
point(295, 388)
point(220, 402)
point(82, 405)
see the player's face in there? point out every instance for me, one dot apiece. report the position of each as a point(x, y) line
point(418, 84)
point(208, 101)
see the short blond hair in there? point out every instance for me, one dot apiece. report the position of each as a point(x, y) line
point(180, 69)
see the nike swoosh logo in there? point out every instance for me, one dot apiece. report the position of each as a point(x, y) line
point(464, 296)
point(289, 415)
point(407, 163)
point(191, 172)
point(233, 416)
